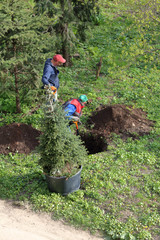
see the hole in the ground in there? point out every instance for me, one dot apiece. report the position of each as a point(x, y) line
point(94, 143)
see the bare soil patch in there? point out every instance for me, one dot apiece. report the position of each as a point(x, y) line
point(18, 222)
point(119, 119)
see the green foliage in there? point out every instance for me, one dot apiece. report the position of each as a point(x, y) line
point(73, 19)
point(119, 192)
point(7, 103)
point(120, 188)
point(61, 151)
point(22, 46)
point(18, 174)
point(27, 118)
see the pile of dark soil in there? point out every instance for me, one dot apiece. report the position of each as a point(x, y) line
point(18, 137)
point(120, 119)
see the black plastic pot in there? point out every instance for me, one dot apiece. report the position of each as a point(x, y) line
point(64, 185)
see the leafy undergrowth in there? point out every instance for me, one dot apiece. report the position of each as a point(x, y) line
point(120, 188)
point(119, 194)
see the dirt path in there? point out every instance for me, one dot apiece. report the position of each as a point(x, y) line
point(17, 223)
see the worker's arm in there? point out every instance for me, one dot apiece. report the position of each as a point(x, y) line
point(77, 114)
point(74, 118)
point(46, 74)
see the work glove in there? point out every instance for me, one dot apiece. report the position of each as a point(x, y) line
point(76, 119)
point(54, 89)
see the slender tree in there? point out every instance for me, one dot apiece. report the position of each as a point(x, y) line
point(69, 13)
point(23, 39)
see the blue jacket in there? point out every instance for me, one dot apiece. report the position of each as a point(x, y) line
point(50, 74)
point(70, 109)
point(73, 107)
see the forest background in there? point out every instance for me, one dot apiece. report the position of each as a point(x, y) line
point(125, 36)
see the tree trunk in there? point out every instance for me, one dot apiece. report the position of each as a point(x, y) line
point(98, 68)
point(18, 108)
point(65, 45)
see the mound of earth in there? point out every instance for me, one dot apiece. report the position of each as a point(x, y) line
point(119, 119)
point(18, 137)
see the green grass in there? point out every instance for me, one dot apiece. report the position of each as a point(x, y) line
point(120, 188)
point(119, 195)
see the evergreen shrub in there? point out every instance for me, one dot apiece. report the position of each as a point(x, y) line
point(61, 152)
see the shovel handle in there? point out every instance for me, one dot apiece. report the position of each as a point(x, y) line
point(76, 123)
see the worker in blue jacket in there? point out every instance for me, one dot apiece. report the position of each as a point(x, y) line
point(73, 109)
point(50, 73)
